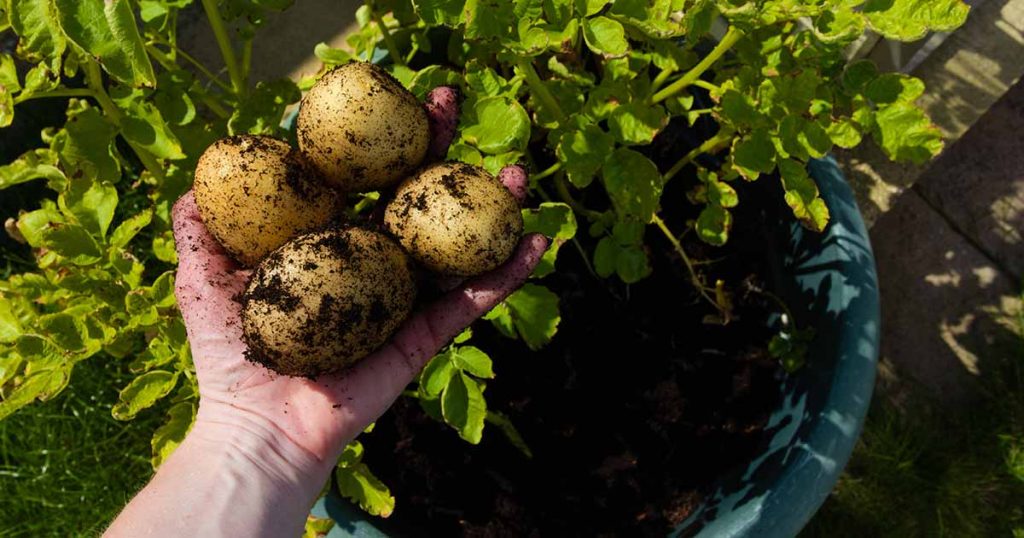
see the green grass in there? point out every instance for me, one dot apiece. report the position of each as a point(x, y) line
point(925, 470)
point(66, 466)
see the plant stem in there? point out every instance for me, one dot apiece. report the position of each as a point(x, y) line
point(246, 60)
point(169, 63)
point(710, 145)
point(389, 41)
point(728, 40)
point(94, 79)
point(660, 79)
point(59, 92)
point(220, 32)
point(694, 277)
point(563, 193)
point(539, 89)
point(549, 171)
point(701, 83)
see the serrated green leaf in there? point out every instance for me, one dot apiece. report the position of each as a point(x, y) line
point(144, 124)
point(894, 87)
point(39, 32)
point(440, 12)
point(359, 485)
point(144, 391)
point(839, 26)
point(129, 228)
point(909, 20)
point(500, 125)
point(859, 74)
point(106, 30)
point(802, 195)
point(554, 220)
point(713, 225)
point(10, 325)
point(86, 146)
point(501, 318)
point(633, 183)
point(754, 154)
point(637, 122)
point(739, 110)
point(65, 330)
point(41, 384)
point(905, 133)
point(317, 527)
point(534, 313)
point(331, 56)
point(652, 18)
point(74, 243)
point(605, 36)
point(90, 203)
point(263, 110)
point(489, 19)
point(31, 165)
point(171, 433)
point(436, 375)
point(844, 133)
point(582, 152)
point(464, 407)
point(473, 360)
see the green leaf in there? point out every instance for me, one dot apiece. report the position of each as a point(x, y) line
point(40, 36)
point(163, 247)
point(106, 30)
point(10, 325)
point(359, 485)
point(464, 408)
point(802, 195)
point(554, 220)
point(534, 312)
point(633, 183)
point(590, 7)
point(839, 26)
point(473, 360)
point(436, 375)
point(331, 56)
point(41, 384)
point(168, 436)
point(501, 125)
point(738, 109)
point(144, 125)
point(754, 154)
point(86, 146)
point(317, 527)
point(172, 98)
point(905, 133)
point(501, 318)
point(127, 230)
point(489, 19)
point(65, 330)
point(144, 391)
point(582, 152)
point(894, 87)
point(858, 74)
point(262, 111)
point(73, 242)
point(721, 193)
point(31, 165)
point(637, 122)
point(653, 18)
point(511, 433)
point(844, 133)
point(90, 204)
point(440, 12)
point(713, 225)
point(909, 20)
point(605, 36)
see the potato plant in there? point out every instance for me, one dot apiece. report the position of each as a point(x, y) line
point(576, 89)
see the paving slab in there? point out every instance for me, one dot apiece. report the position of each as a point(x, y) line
point(944, 302)
point(978, 184)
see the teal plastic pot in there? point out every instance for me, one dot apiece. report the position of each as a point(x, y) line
point(829, 281)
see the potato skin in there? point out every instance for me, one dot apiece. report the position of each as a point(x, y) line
point(325, 300)
point(255, 193)
point(362, 129)
point(456, 219)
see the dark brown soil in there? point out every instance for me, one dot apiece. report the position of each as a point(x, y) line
point(631, 413)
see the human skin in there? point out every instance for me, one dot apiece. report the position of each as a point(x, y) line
point(263, 445)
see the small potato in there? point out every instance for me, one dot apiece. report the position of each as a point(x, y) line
point(326, 300)
point(255, 193)
point(362, 129)
point(455, 219)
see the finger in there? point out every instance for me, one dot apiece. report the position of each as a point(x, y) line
point(515, 180)
point(442, 105)
point(207, 280)
point(370, 387)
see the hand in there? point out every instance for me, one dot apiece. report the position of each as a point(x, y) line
point(263, 444)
